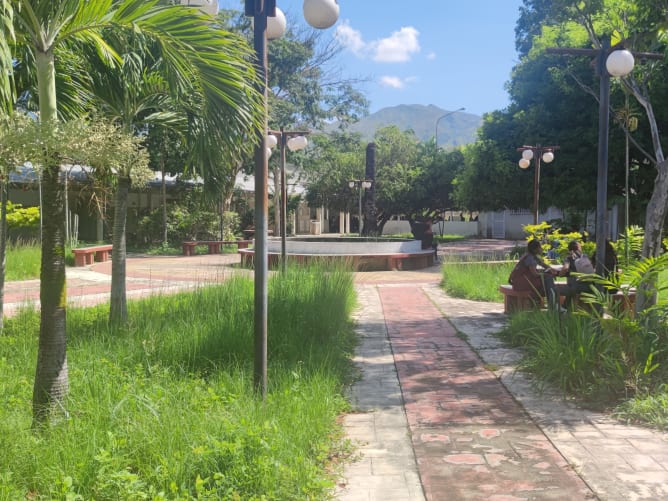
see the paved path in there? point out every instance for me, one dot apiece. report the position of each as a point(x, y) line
point(454, 414)
point(440, 414)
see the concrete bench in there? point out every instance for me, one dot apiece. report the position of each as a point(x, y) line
point(514, 301)
point(86, 255)
point(214, 246)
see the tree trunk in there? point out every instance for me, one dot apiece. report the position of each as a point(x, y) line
point(655, 218)
point(656, 212)
point(51, 375)
point(3, 245)
point(165, 239)
point(118, 311)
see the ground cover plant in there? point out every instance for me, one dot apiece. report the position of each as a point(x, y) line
point(166, 409)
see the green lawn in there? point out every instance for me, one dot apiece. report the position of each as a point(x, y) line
point(166, 409)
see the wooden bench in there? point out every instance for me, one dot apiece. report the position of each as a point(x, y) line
point(86, 255)
point(514, 301)
point(214, 246)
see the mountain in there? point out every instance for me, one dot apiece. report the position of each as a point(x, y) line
point(454, 130)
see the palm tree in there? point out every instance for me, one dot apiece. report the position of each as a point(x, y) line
point(195, 55)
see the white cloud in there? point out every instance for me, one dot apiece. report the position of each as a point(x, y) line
point(351, 39)
point(397, 48)
point(431, 56)
point(394, 82)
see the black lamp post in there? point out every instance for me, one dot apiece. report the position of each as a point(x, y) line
point(613, 61)
point(319, 14)
point(538, 152)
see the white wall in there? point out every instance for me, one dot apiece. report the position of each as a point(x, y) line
point(465, 228)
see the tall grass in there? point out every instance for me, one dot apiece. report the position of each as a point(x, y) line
point(478, 281)
point(166, 409)
point(22, 260)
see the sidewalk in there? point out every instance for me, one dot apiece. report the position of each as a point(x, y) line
point(456, 415)
point(439, 412)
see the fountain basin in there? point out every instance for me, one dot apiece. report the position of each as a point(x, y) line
point(360, 253)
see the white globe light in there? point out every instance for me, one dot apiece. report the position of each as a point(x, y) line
point(524, 163)
point(268, 153)
point(275, 25)
point(527, 154)
point(271, 141)
point(321, 14)
point(206, 6)
point(297, 143)
point(619, 63)
point(548, 156)
point(366, 184)
point(351, 184)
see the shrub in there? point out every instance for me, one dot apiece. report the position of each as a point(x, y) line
point(22, 222)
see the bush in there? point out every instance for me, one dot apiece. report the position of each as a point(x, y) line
point(182, 224)
point(22, 222)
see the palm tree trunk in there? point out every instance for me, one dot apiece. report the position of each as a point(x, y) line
point(118, 311)
point(51, 375)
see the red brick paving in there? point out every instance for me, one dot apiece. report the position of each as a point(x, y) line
point(473, 441)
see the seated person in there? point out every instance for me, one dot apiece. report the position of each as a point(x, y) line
point(526, 275)
point(573, 285)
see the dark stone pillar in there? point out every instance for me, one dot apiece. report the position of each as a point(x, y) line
point(369, 203)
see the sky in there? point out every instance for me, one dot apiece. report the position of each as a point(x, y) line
point(449, 53)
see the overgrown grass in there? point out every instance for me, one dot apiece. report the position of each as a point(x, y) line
point(22, 260)
point(477, 281)
point(166, 408)
point(600, 361)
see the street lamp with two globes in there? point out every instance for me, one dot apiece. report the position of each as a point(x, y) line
point(294, 141)
point(538, 152)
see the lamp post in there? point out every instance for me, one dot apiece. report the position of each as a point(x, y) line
point(613, 61)
point(441, 118)
point(295, 141)
point(267, 21)
point(538, 152)
point(364, 184)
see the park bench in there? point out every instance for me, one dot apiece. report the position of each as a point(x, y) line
point(514, 301)
point(86, 255)
point(624, 300)
point(214, 246)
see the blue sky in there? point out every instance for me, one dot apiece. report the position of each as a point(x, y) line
point(450, 53)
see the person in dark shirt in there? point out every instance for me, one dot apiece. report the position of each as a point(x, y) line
point(527, 276)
